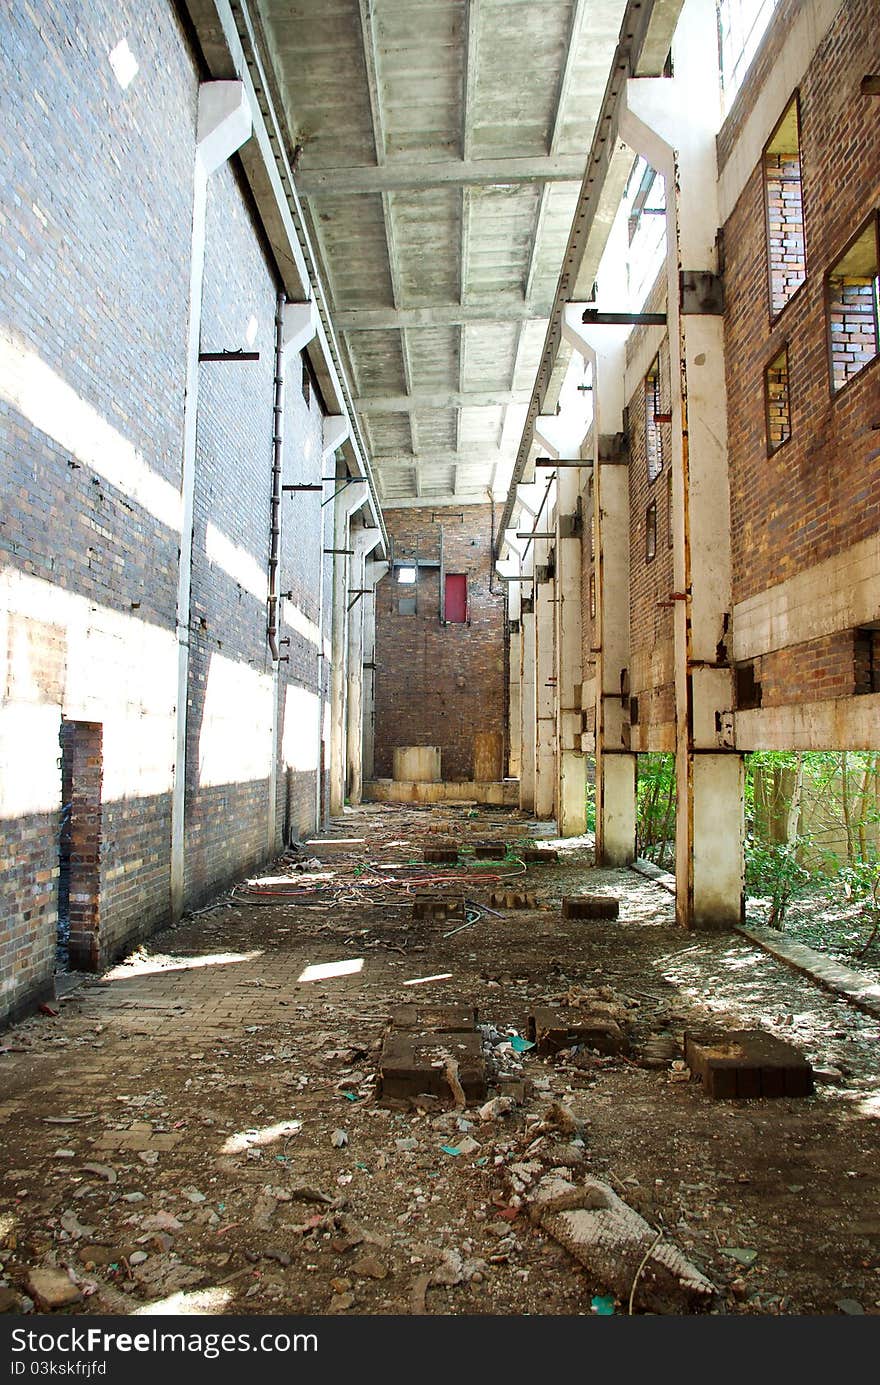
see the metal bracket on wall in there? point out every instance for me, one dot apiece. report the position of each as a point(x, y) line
point(701, 292)
point(229, 355)
point(304, 487)
point(593, 318)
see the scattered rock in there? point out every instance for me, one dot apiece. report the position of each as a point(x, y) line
point(339, 1139)
point(10, 1301)
point(52, 1288)
point(369, 1267)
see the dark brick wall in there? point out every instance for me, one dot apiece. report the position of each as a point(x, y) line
point(439, 685)
point(820, 492)
point(96, 196)
point(96, 188)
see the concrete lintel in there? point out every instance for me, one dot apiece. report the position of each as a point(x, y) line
point(299, 325)
point(336, 428)
point(224, 123)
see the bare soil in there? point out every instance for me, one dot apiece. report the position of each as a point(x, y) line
point(242, 1163)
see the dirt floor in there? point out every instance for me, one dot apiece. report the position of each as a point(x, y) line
point(198, 1129)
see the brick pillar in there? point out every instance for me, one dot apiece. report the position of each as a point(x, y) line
point(83, 743)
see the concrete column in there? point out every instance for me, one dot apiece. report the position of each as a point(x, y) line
point(673, 123)
point(528, 734)
point(514, 708)
point(373, 574)
point(347, 501)
point(224, 124)
point(363, 542)
point(572, 763)
point(605, 348)
point(545, 690)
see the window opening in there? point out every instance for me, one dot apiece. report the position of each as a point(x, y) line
point(852, 307)
point(651, 532)
point(783, 200)
point(406, 575)
point(653, 439)
point(741, 26)
point(777, 402)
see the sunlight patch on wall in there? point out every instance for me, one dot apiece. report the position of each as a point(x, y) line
point(41, 396)
point(62, 654)
point(237, 563)
point(299, 743)
point(236, 735)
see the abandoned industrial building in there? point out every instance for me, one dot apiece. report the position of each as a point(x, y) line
point(440, 639)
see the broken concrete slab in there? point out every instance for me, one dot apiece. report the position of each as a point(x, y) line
point(412, 1064)
point(551, 1030)
point(618, 1246)
point(747, 1063)
point(334, 846)
point(437, 1019)
point(590, 906)
point(515, 899)
point(442, 908)
point(52, 1288)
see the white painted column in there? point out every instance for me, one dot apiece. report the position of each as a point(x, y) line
point(363, 541)
point(528, 732)
point(349, 499)
point(605, 348)
point(224, 124)
point(673, 122)
point(545, 687)
point(373, 574)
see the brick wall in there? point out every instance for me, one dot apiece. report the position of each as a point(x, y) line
point(820, 492)
point(95, 226)
point(435, 684)
point(651, 581)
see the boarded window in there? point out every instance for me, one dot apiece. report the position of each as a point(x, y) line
point(852, 307)
point(776, 400)
point(651, 532)
point(653, 439)
point(786, 251)
point(456, 605)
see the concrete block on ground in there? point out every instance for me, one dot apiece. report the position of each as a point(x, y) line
point(590, 906)
point(538, 855)
point(442, 853)
point(489, 851)
point(442, 908)
point(747, 1063)
point(437, 1019)
point(551, 1030)
point(334, 846)
point(412, 1064)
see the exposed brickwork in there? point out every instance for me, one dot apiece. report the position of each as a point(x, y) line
point(821, 492)
point(838, 665)
point(95, 233)
point(439, 685)
point(82, 753)
point(785, 227)
point(651, 581)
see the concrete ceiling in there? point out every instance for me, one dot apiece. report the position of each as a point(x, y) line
point(443, 144)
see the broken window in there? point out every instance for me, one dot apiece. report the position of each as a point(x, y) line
point(777, 403)
point(653, 418)
point(741, 26)
point(783, 200)
point(851, 290)
point(651, 532)
point(645, 208)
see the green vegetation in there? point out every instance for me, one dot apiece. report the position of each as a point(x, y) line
point(812, 833)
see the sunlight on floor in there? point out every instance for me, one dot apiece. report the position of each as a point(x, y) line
point(197, 1303)
point(149, 966)
point(267, 1135)
point(423, 980)
point(323, 971)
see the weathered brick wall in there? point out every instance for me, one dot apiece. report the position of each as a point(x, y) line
point(820, 492)
point(96, 196)
point(651, 581)
point(95, 234)
point(435, 684)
